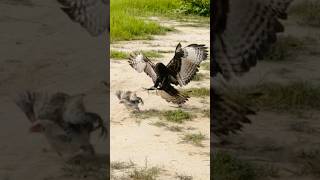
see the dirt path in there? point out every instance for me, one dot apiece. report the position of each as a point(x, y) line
point(138, 142)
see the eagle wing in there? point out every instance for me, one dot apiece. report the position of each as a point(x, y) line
point(229, 115)
point(185, 63)
point(142, 64)
point(170, 94)
point(244, 31)
point(91, 14)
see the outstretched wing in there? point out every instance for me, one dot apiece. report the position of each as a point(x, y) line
point(91, 14)
point(170, 94)
point(244, 31)
point(142, 64)
point(185, 63)
point(228, 116)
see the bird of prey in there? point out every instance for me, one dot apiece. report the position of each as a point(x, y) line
point(243, 32)
point(63, 120)
point(129, 99)
point(179, 71)
point(90, 14)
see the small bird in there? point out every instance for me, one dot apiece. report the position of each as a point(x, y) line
point(129, 99)
point(179, 71)
point(63, 120)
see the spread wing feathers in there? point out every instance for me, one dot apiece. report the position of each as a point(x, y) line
point(170, 94)
point(142, 64)
point(91, 14)
point(186, 61)
point(247, 29)
point(227, 115)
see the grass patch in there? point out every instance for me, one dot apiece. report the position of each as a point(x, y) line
point(205, 66)
point(310, 161)
point(197, 92)
point(145, 173)
point(175, 128)
point(294, 97)
point(121, 165)
point(177, 116)
point(114, 54)
point(226, 167)
point(199, 77)
point(285, 48)
point(183, 177)
point(147, 114)
point(197, 7)
point(128, 22)
point(308, 13)
point(125, 22)
point(160, 124)
point(84, 170)
point(195, 139)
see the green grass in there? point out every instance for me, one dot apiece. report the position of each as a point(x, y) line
point(199, 77)
point(115, 54)
point(177, 116)
point(117, 165)
point(285, 48)
point(175, 128)
point(145, 173)
point(293, 97)
point(128, 18)
point(205, 66)
point(125, 22)
point(147, 114)
point(226, 167)
point(308, 13)
point(195, 139)
point(197, 92)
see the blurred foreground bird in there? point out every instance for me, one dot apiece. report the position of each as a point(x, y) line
point(179, 71)
point(129, 99)
point(63, 120)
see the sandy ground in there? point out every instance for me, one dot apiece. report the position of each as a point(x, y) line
point(143, 142)
point(41, 50)
point(279, 139)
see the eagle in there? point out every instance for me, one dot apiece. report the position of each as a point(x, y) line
point(179, 71)
point(90, 14)
point(243, 31)
point(63, 119)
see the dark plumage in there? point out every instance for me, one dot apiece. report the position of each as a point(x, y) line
point(179, 71)
point(243, 32)
point(90, 14)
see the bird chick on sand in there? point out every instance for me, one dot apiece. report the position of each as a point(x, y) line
point(130, 100)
